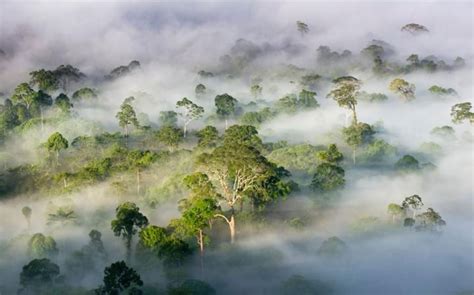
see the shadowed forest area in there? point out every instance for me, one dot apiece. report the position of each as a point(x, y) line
point(236, 148)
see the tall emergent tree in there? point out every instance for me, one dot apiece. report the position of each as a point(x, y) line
point(127, 116)
point(24, 94)
point(345, 93)
point(56, 142)
point(41, 246)
point(191, 112)
point(199, 209)
point(128, 220)
point(356, 135)
point(226, 106)
point(405, 90)
point(240, 171)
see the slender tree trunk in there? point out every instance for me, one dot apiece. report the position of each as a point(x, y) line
point(354, 116)
point(226, 123)
point(185, 129)
point(201, 249)
point(354, 155)
point(232, 228)
point(65, 182)
point(42, 120)
point(57, 158)
point(138, 181)
point(128, 246)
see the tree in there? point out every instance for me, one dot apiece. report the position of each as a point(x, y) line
point(239, 170)
point(24, 94)
point(45, 80)
point(414, 29)
point(26, 211)
point(85, 93)
point(402, 88)
point(200, 90)
point(128, 219)
point(170, 136)
point(56, 142)
point(199, 209)
point(306, 100)
point(357, 135)
point(165, 245)
point(332, 155)
point(41, 246)
point(127, 116)
point(302, 27)
point(168, 118)
point(407, 163)
point(441, 91)
point(67, 74)
point(63, 103)
point(208, 136)
point(414, 202)
point(328, 177)
point(192, 112)
point(139, 160)
point(462, 112)
point(395, 211)
point(345, 94)
point(256, 91)
point(332, 247)
point(287, 104)
point(430, 220)
point(226, 106)
point(63, 215)
point(120, 279)
point(39, 275)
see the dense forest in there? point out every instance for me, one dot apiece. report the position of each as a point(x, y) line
point(216, 148)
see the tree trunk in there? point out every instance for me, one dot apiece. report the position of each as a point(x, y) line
point(354, 116)
point(232, 228)
point(42, 120)
point(138, 181)
point(185, 129)
point(128, 246)
point(201, 249)
point(226, 123)
point(65, 182)
point(57, 158)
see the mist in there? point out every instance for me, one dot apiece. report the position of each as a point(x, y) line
point(230, 47)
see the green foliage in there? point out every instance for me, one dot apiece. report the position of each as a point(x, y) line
point(378, 151)
point(242, 135)
point(192, 111)
point(328, 177)
point(63, 103)
point(302, 27)
point(38, 275)
point(405, 90)
point(84, 94)
point(371, 97)
point(41, 246)
point(257, 118)
point(166, 246)
point(331, 155)
point(296, 158)
point(462, 112)
point(429, 221)
point(345, 93)
point(440, 91)
point(168, 118)
point(24, 94)
point(120, 279)
point(170, 136)
point(207, 137)
point(127, 116)
point(407, 163)
point(290, 104)
point(128, 219)
point(63, 216)
point(45, 80)
point(226, 105)
point(200, 90)
point(444, 132)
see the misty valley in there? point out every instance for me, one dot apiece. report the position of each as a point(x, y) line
point(213, 148)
